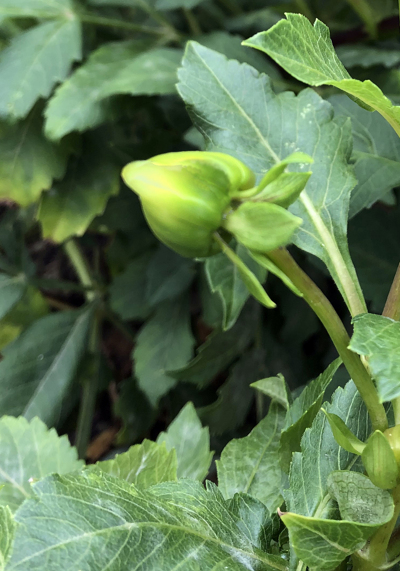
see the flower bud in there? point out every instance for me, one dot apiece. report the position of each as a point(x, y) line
point(185, 195)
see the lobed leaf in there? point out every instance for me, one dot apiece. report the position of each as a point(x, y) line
point(29, 451)
point(191, 442)
point(7, 532)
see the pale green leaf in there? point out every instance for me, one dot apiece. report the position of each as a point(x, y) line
point(303, 411)
point(12, 288)
point(255, 521)
point(376, 152)
point(380, 462)
point(274, 388)
point(343, 436)
point(265, 262)
point(164, 343)
point(35, 8)
point(358, 499)
point(29, 451)
point(29, 162)
point(83, 100)
point(248, 277)
point(144, 465)
point(39, 366)
point(34, 61)
point(234, 397)
point(306, 52)
point(224, 279)
point(71, 205)
point(100, 523)
point(219, 350)
point(251, 464)
point(7, 532)
point(168, 275)
point(378, 338)
point(191, 442)
point(262, 128)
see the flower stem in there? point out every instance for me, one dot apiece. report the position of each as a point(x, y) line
point(392, 310)
point(337, 332)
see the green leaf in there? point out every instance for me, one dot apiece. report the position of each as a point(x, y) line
point(128, 291)
point(248, 277)
point(251, 464)
point(144, 465)
point(275, 388)
point(191, 442)
point(359, 500)
point(174, 4)
point(378, 338)
point(35, 8)
point(247, 124)
point(176, 524)
point(255, 521)
point(29, 68)
point(363, 55)
point(262, 226)
point(224, 279)
point(164, 343)
point(343, 436)
point(380, 462)
point(219, 351)
point(29, 162)
point(302, 412)
point(71, 205)
point(234, 397)
point(168, 275)
point(376, 153)
point(29, 451)
point(7, 532)
point(38, 368)
point(269, 265)
point(307, 53)
point(83, 100)
point(322, 543)
point(12, 288)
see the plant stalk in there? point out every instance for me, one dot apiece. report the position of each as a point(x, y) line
point(81, 267)
point(303, 7)
point(337, 332)
point(114, 23)
point(367, 15)
point(192, 21)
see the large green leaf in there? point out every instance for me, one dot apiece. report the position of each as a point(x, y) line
point(71, 205)
point(307, 53)
point(219, 351)
point(235, 396)
point(144, 465)
point(102, 523)
point(376, 152)
point(121, 67)
point(164, 343)
point(303, 411)
point(378, 338)
point(38, 368)
point(128, 291)
point(29, 162)
point(262, 129)
point(191, 441)
point(255, 520)
point(29, 451)
point(7, 532)
point(320, 455)
point(324, 543)
point(168, 275)
point(225, 280)
point(34, 61)
point(364, 55)
point(35, 8)
point(251, 464)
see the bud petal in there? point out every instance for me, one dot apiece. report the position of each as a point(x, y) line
point(184, 196)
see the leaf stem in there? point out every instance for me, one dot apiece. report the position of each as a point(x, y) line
point(392, 310)
point(114, 23)
point(81, 267)
point(337, 332)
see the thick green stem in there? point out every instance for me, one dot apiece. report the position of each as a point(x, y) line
point(89, 393)
point(334, 326)
point(392, 310)
point(88, 401)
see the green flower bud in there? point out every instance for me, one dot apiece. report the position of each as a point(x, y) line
point(184, 196)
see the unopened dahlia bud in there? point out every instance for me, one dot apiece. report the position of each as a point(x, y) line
point(185, 195)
